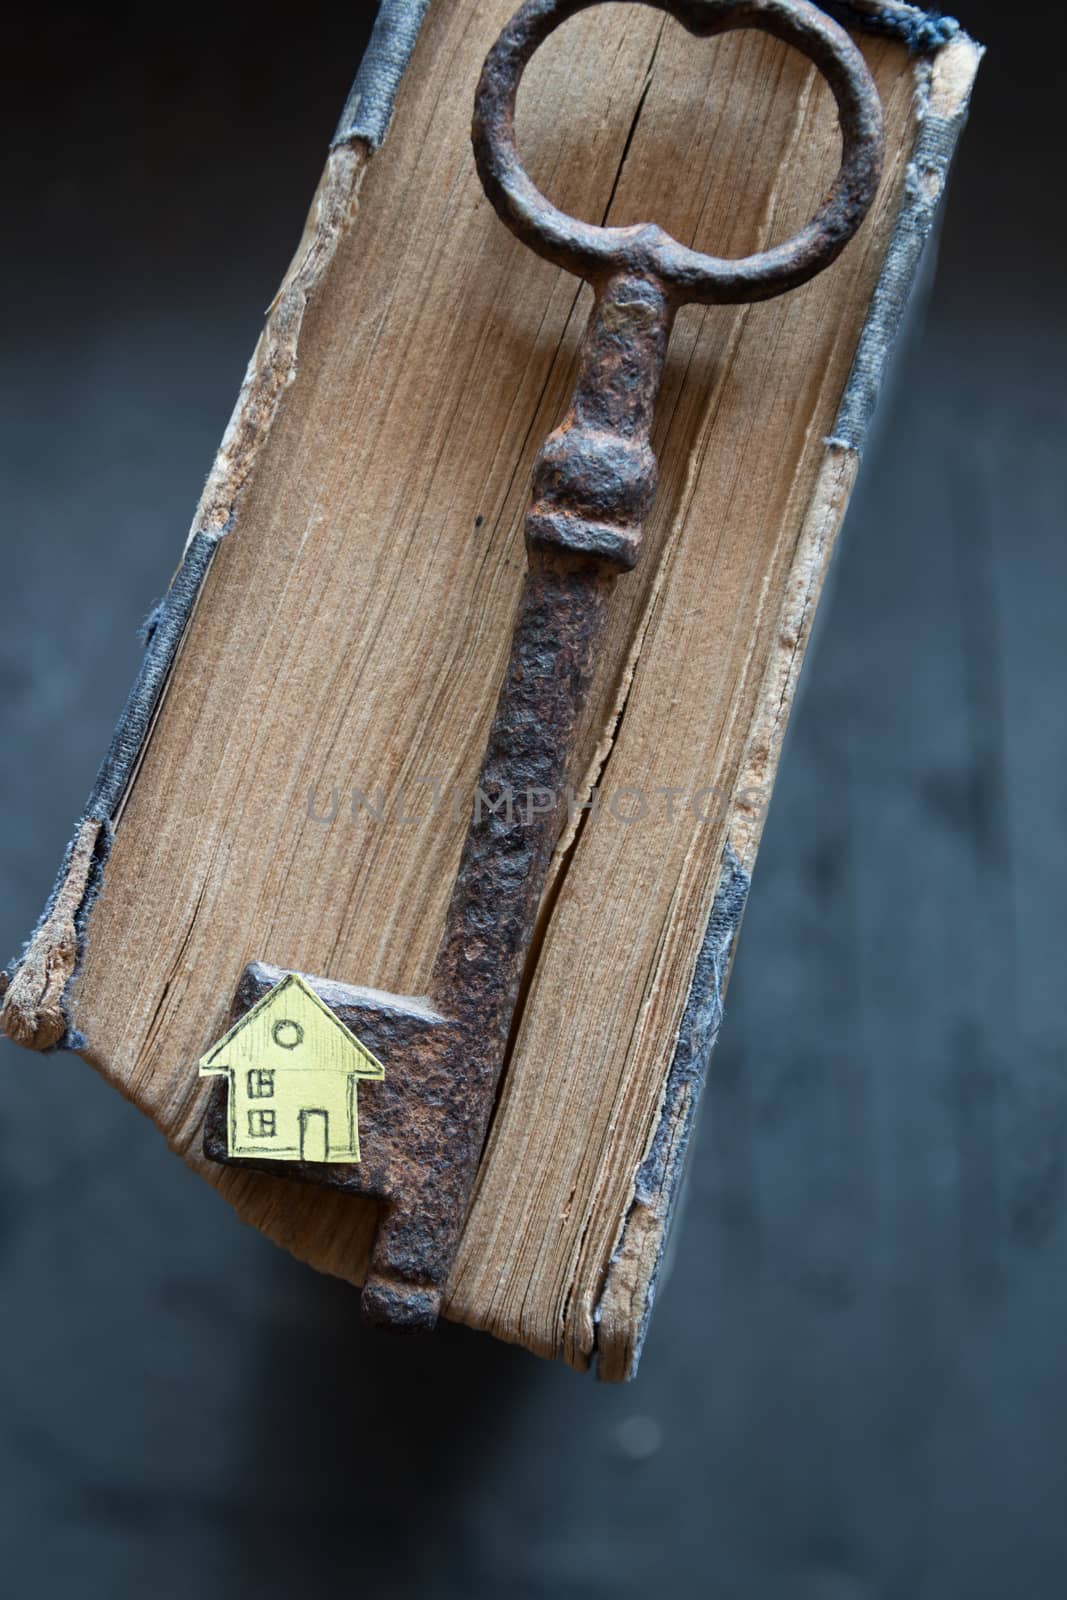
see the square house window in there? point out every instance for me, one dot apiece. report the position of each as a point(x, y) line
point(261, 1083)
point(261, 1124)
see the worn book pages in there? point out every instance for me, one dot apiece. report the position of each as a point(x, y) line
point(291, 783)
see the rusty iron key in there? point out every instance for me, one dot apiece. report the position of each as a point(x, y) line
point(425, 1109)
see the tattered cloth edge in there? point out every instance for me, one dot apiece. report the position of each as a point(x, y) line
point(941, 112)
point(34, 994)
point(369, 107)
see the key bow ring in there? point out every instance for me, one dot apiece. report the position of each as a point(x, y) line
point(594, 252)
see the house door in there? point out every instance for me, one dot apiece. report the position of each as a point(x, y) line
point(314, 1135)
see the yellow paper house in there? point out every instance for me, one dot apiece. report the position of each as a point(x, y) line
point(293, 1067)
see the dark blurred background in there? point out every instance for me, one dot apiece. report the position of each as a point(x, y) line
point(856, 1380)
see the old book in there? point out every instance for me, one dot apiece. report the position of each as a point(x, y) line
point(291, 777)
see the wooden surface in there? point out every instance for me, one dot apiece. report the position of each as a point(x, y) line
point(854, 1386)
point(352, 631)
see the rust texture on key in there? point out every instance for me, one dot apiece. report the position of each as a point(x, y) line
point(423, 1126)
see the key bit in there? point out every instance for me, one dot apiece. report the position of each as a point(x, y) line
point(432, 1064)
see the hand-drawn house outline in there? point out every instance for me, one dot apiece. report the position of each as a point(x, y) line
point(293, 1067)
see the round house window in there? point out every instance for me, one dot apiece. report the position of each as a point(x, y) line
point(287, 1034)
